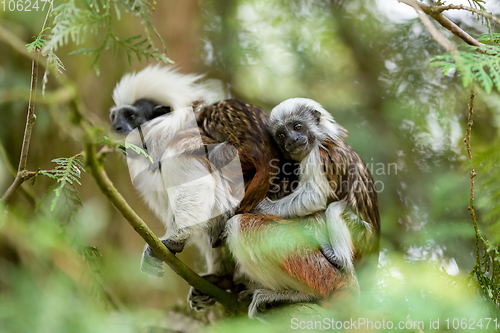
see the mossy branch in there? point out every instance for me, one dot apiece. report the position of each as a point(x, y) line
point(229, 301)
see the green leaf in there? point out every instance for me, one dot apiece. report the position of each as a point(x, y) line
point(38, 43)
point(487, 39)
point(474, 64)
point(67, 172)
point(75, 20)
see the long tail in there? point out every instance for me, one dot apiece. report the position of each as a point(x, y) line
point(257, 189)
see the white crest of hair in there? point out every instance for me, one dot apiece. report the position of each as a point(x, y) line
point(327, 127)
point(164, 85)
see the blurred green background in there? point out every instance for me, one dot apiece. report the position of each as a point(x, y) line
point(366, 61)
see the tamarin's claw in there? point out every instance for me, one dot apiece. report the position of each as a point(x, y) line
point(245, 295)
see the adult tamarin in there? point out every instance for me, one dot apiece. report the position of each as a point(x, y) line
point(331, 175)
point(154, 100)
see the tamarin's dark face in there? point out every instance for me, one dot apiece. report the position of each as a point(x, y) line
point(294, 138)
point(125, 118)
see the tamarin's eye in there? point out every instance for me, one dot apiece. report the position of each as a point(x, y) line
point(131, 117)
point(281, 136)
point(297, 127)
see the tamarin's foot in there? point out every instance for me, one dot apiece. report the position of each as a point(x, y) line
point(199, 301)
point(174, 246)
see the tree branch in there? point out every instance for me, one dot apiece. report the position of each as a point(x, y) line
point(448, 24)
point(472, 171)
point(229, 301)
point(434, 32)
point(22, 174)
point(25, 189)
point(489, 16)
point(444, 22)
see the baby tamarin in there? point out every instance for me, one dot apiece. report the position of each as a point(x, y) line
point(331, 175)
point(288, 266)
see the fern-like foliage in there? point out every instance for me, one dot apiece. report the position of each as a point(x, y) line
point(487, 268)
point(92, 256)
point(67, 173)
point(479, 64)
point(123, 147)
point(38, 42)
point(489, 173)
point(493, 38)
point(76, 20)
point(478, 4)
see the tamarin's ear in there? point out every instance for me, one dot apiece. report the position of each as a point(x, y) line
point(160, 110)
point(317, 115)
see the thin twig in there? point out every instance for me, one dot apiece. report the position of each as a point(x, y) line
point(448, 24)
point(444, 22)
point(30, 121)
point(440, 9)
point(69, 89)
point(434, 32)
point(472, 171)
point(22, 174)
